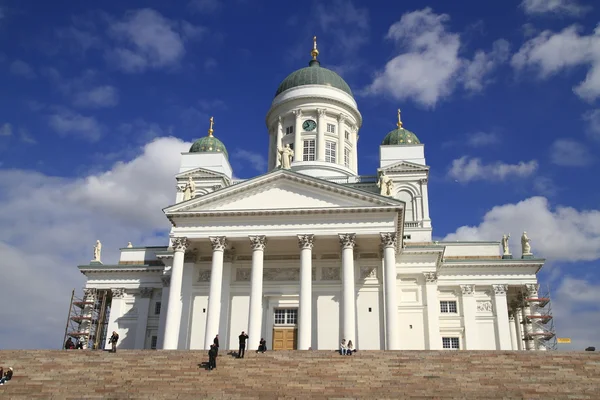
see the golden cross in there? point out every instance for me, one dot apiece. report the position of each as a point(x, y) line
point(314, 42)
point(210, 130)
point(399, 120)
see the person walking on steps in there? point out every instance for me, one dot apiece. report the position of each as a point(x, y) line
point(243, 337)
point(212, 357)
point(216, 343)
point(113, 340)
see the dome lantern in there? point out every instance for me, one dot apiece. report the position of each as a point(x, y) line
point(209, 144)
point(400, 136)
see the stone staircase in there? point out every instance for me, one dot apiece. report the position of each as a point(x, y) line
point(148, 374)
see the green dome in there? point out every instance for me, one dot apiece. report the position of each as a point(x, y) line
point(314, 74)
point(209, 144)
point(400, 136)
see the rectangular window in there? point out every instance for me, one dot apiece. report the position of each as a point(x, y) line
point(157, 308)
point(330, 128)
point(289, 130)
point(153, 342)
point(308, 153)
point(347, 157)
point(451, 343)
point(286, 316)
point(448, 307)
point(330, 152)
point(347, 135)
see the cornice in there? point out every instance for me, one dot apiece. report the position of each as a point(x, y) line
point(86, 269)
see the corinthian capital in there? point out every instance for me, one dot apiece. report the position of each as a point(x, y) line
point(306, 241)
point(430, 277)
point(258, 242)
point(342, 118)
point(388, 239)
point(180, 243)
point(532, 289)
point(500, 289)
point(321, 112)
point(89, 292)
point(467, 289)
point(146, 292)
point(118, 293)
point(297, 113)
point(218, 243)
point(347, 240)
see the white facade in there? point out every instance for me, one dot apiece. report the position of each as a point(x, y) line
point(315, 250)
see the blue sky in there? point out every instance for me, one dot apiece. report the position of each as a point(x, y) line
point(97, 103)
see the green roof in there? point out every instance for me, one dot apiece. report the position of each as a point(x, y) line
point(314, 74)
point(209, 144)
point(400, 136)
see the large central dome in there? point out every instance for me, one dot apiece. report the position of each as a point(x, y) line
point(314, 74)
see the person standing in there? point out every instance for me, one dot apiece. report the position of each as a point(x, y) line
point(113, 340)
point(243, 337)
point(212, 357)
point(216, 343)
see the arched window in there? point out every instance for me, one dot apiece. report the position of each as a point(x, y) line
point(407, 197)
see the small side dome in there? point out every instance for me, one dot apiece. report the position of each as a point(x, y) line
point(209, 144)
point(400, 136)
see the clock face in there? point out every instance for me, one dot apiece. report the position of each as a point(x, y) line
point(309, 125)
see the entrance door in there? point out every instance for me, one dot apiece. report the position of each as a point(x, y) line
point(284, 338)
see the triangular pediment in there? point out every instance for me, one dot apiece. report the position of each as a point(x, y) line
point(283, 190)
point(405, 166)
point(199, 173)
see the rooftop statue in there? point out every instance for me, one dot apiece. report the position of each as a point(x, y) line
point(97, 251)
point(189, 190)
point(525, 244)
point(385, 184)
point(505, 249)
point(286, 155)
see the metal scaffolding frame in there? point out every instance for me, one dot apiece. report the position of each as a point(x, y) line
point(88, 318)
point(541, 331)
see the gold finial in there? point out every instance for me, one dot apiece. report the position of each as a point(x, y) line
point(210, 130)
point(399, 120)
point(314, 53)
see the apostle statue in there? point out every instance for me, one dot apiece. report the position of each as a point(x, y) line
point(505, 249)
point(385, 184)
point(97, 251)
point(525, 244)
point(189, 190)
point(286, 155)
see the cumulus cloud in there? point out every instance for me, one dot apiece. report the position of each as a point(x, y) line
point(85, 91)
point(559, 7)
point(147, 40)
point(69, 123)
point(429, 66)
point(64, 217)
point(593, 123)
point(255, 160)
point(97, 97)
point(570, 153)
point(550, 53)
point(21, 68)
point(480, 139)
point(466, 169)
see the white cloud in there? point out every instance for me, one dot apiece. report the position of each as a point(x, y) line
point(559, 234)
point(147, 40)
point(64, 218)
point(545, 186)
point(593, 123)
point(429, 67)
point(467, 169)
point(26, 137)
point(255, 160)
point(550, 53)
point(560, 7)
point(97, 97)
point(570, 153)
point(346, 24)
point(480, 139)
point(205, 6)
point(6, 129)
point(21, 68)
point(66, 122)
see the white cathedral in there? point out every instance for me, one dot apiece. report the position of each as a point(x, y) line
point(311, 253)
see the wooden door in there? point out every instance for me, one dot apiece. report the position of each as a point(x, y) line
point(284, 339)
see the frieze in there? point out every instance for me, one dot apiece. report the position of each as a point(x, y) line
point(204, 275)
point(191, 256)
point(281, 274)
point(484, 306)
point(368, 272)
point(243, 274)
point(330, 273)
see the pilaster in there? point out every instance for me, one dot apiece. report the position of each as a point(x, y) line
point(116, 312)
point(143, 307)
point(469, 308)
point(434, 338)
point(503, 336)
point(298, 145)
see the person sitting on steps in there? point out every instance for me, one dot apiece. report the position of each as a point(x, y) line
point(262, 347)
point(7, 376)
point(343, 347)
point(350, 349)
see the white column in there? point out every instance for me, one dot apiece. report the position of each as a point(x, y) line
point(518, 313)
point(321, 125)
point(392, 334)
point(229, 256)
point(258, 244)
point(214, 295)
point(271, 150)
point(425, 201)
point(279, 140)
point(179, 244)
point(298, 148)
point(143, 306)
point(116, 311)
point(529, 343)
point(347, 242)
point(433, 311)
point(513, 332)
point(354, 160)
point(341, 144)
point(536, 325)
point(502, 325)
point(469, 308)
point(305, 312)
point(162, 317)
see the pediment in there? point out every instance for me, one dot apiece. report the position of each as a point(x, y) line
point(405, 166)
point(283, 190)
point(200, 173)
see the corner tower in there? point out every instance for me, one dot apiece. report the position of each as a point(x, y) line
point(314, 112)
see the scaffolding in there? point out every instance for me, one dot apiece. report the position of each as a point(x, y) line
point(539, 332)
point(88, 318)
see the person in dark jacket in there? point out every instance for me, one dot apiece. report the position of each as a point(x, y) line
point(113, 340)
point(243, 337)
point(212, 357)
point(69, 344)
point(216, 343)
point(262, 347)
point(7, 376)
